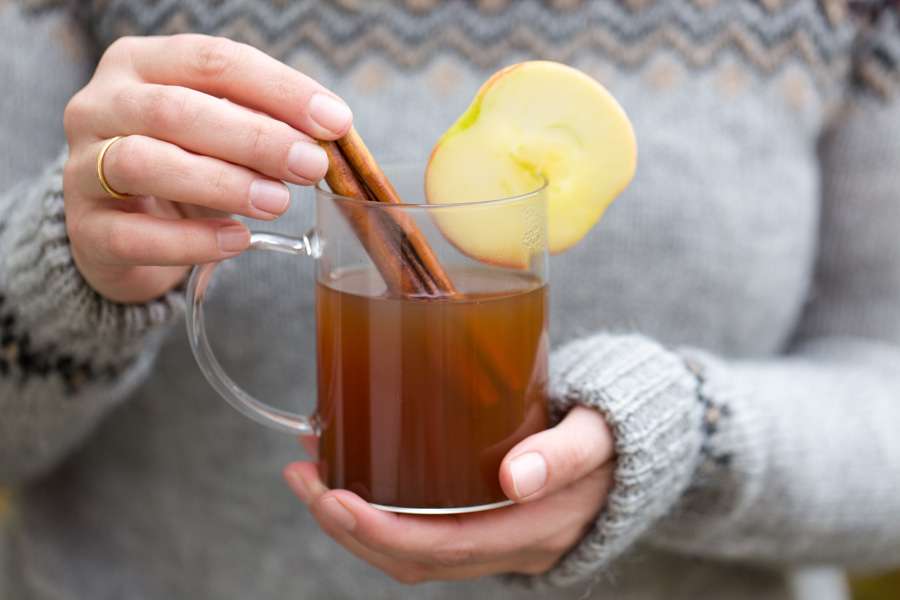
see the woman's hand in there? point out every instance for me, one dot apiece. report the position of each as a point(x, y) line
point(213, 128)
point(559, 479)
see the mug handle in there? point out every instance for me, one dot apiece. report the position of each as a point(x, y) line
point(197, 286)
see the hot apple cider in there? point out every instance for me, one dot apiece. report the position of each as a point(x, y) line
point(420, 399)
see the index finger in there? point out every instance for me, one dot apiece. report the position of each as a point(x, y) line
point(244, 75)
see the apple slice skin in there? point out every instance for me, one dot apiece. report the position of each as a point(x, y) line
point(531, 123)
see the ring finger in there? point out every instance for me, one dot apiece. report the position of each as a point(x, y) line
point(140, 165)
point(215, 127)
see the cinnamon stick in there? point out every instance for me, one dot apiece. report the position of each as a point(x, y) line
point(396, 246)
point(419, 252)
point(382, 239)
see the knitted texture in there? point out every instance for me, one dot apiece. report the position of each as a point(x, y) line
point(728, 506)
point(758, 239)
point(649, 398)
point(38, 270)
point(86, 349)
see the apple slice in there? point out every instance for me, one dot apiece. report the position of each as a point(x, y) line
point(529, 123)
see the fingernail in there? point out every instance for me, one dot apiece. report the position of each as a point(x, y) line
point(269, 196)
point(529, 473)
point(307, 160)
point(338, 513)
point(329, 113)
point(295, 480)
point(233, 238)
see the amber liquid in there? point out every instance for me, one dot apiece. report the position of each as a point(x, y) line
point(419, 400)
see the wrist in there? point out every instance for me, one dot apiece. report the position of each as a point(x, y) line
point(49, 300)
point(650, 400)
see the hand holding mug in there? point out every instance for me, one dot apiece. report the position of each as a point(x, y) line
point(559, 479)
point(210, 128)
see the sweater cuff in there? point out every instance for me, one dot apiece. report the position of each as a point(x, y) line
point(649, 397)
point(51, 318)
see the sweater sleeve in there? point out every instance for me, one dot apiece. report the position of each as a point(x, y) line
point(813, 437)
point(66, 354)
point(789, 459)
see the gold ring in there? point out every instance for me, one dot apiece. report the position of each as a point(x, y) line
point(103, 182)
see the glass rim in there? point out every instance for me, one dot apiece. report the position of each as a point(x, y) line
point(320, 189)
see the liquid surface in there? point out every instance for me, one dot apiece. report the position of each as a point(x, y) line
point(419, 400)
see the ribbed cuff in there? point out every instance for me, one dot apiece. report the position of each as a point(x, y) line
point(649, 398)
point(46, 302)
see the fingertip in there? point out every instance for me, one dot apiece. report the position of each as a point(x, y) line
point(233, 237)
point(294, 479)
point(327, 135)
point(506, 482)
point(330, 114)
point(270, 198)
point(526, 476)
point(359, 509)
point(347, 498)
point(529, 445)
point(310, 443)
point(551, 460)
point(307, 162)
point(346, 129)
point(303, 479)
point(290, 470)
point(334, 510)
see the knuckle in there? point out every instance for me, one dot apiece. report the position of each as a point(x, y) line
point(120, 48)
point(125, 100)
point(165, 108)
point(120, 241)
point(213, 56)
point(258, 140)
point(454, 553)
point(572, 459)
point(126, 162)
point(284, 89)
point(76, 111)
point(75, 226)
point(70, 174)
point(220, 188)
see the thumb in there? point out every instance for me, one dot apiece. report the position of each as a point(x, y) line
point(553, 459)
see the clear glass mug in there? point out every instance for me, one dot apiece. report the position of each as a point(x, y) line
point(420, 396)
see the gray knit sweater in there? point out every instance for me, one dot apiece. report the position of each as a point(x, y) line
point(735, 317)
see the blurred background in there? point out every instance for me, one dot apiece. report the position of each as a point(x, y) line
point(865, 587)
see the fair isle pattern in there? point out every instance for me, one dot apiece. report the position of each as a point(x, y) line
point(630, 33)
point(879, 67)
point(410, 33)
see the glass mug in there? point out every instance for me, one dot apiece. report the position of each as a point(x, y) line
point(419, 397)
